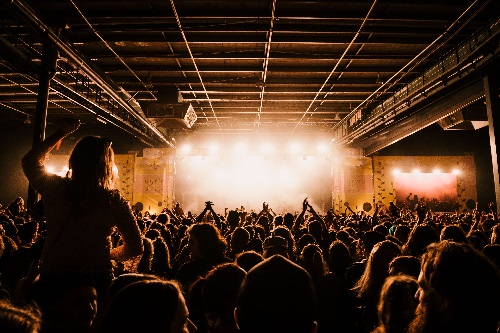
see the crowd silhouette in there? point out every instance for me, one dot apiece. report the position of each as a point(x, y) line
point(83, 260)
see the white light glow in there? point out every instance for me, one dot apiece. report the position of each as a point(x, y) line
point(416, 171)
point(455, 171)
point(50, 169)
point(185, 149)
point(396, 171)
point(240, 148)
point(322, 148)
point(213, 148)
point(436, 171)
point(267, 148)
point(231, 181)
point(295, 148)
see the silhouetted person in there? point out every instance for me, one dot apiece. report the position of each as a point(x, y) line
point(82, 209)
point(15, 318)
point(207, 248)
point(407, 265)
point(152, 305)
point(397, 304)
point(367, 290)
point(459, 291)
point(276, 295)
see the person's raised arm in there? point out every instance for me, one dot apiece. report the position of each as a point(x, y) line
point(300, 218)
point(214, 215)
point(200, 216)
point(477, 216)
point(493, 210)
point(33, 162)
point(325, 235)
point(265, 211)
point(173, 218)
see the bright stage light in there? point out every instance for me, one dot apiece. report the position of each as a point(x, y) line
point(267, 148)
point(240, 148)
point(251, 179)
point(50, 169)
point(396, 171)
point(185, 149)
point(416, 171)
point(455, 171)
point(436, 171)
point(322, 148)
point(213, 148)
point(294, 148)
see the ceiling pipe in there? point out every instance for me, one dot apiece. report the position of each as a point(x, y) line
point(105, 84)
point(181, 30)
point(266, 63)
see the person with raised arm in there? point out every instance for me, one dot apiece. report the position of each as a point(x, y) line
point(82, 209)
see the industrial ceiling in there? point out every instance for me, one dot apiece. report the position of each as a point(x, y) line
point(362, 73)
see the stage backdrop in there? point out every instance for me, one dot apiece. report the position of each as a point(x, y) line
point(444, 191)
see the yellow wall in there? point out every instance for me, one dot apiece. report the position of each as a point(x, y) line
point(154, 179)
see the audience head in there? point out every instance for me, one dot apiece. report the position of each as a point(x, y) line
point(219, 294)
point(233, 218)
point(312, 260)
point(163, 218)
point(91, 164)
point(421, 236)
point(205, 241)
point(287, 234)
point(407, 265)
point(339, 258)
point(288, 219)
point(240, 238)
point(248, 259)
point(153, 306)
point(275, 245)
point(369, 239)
point(459, 290)
point(276, 295)
point(377, 268)
point(124, 280)
point(402, 232)
point(477, 239)
point(304, 240)
point(397, 303)
point(495, 234)
point(315, 228)
point(19, 319)
point(453, 233)
point(492, 251)
point(68, 301)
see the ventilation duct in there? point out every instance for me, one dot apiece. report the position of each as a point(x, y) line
point(468, 118)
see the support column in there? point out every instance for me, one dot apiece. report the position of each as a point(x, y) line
point(491, 85)
point(47, 72)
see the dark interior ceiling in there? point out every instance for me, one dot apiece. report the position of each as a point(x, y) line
point(365, 73)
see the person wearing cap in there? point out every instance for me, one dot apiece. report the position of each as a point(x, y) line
point(275, 245)
point(276, 295)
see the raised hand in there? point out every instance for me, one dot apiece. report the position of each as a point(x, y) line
point(68, 125)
